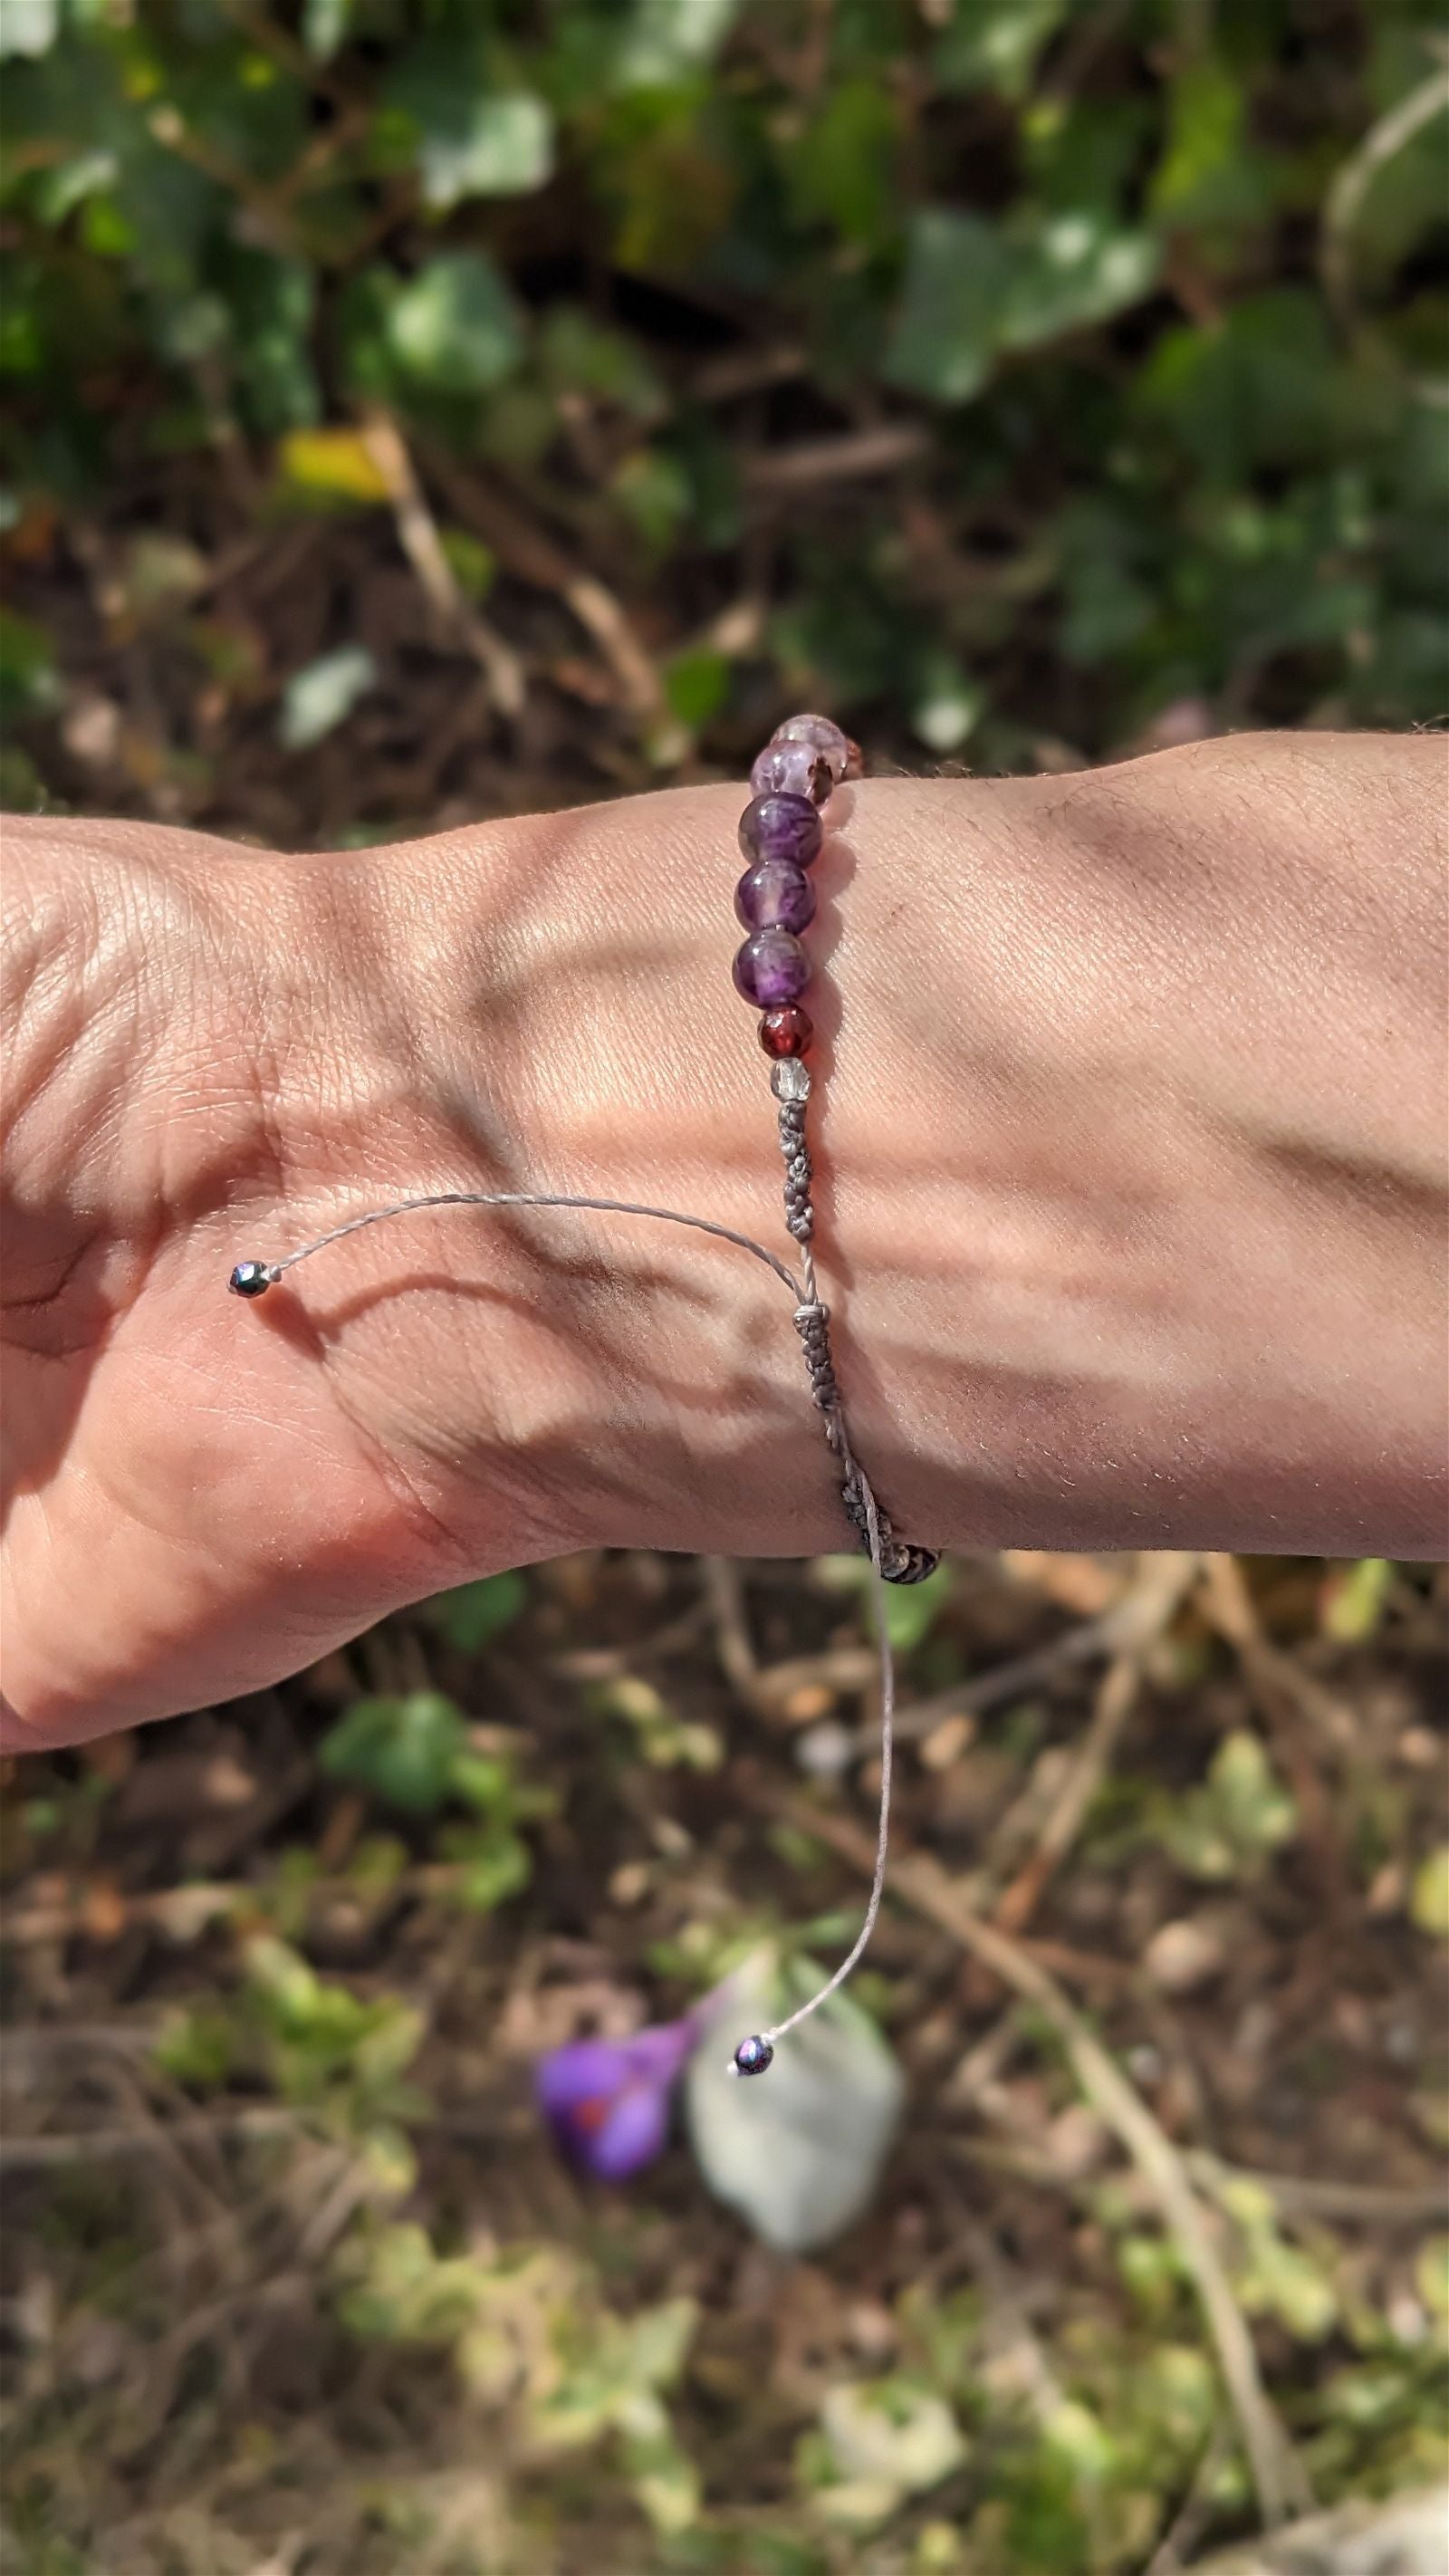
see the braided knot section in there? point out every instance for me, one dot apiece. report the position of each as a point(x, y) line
point(799, 1214)
point(900, 1561)
point(812, 1323)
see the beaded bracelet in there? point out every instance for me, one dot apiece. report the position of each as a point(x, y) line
point(781, 835)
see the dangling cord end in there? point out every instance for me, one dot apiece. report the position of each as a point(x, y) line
point(756, 2054)
point(251, 1279)
point(254, 1278)
point(753, 2056)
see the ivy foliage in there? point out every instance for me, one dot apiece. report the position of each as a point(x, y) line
point(1152, 300)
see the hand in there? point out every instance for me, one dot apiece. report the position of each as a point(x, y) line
point(191, 1507)
point(214, 1052)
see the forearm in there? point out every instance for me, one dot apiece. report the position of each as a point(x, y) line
point(1128, 1140)
point(1128, 1136)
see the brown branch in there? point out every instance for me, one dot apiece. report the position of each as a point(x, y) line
point(849, 458)
point(531, 555)
point(86, 2146)
point(1145, 1612)
point(418, 536)
point(1277, 2477)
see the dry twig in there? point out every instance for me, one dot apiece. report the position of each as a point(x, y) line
point(851, 458)
point(418, 536)
point(88, 2146)
point(1277, 2478)
point(531, 555)
point(1141, 1618)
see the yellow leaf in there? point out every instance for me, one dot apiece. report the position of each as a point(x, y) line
point(335, 464)
point(1429, 1901)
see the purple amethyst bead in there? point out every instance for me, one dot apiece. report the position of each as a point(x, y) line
point(826, 737)
point(771, 968)
point(774, 895)
point(792, 769)
point(781, 827)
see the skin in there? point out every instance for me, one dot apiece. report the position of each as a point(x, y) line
point(1130, 1178)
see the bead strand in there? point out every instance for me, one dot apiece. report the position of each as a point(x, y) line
point(781, 835)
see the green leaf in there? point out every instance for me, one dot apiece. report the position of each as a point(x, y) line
point(952, 303)
point(1109, 600)
point(1207, 177)
point(696, 685)
point(270, 308)
point(198, 2046)
point(949, 705)
point(28, 27)
point(473, 565)
point(495, 1866)
point(665, 2482)
point(841, 165)
point(474, 138)
point(61, 190)
point(1275, 2278)
point(652, 487)
point(911, 1609)
point(1080, 2441)
point(892, 2432)
point(453, 327)
point(581, 355)
point(476, 1612)
point(403, 1750)
point(666, 39)
point(1228, 1828)
point(1353, 1599)
point(657, 2342)
point(1431, 2276)
point(481, 1781)
point(387, 2050)
point(1262, 389)
point(1068, 270)
point(324, 25)
point(321, 697)
point(400, 2291)
point(29, 684)
point(994, 44)
point(282, 1980)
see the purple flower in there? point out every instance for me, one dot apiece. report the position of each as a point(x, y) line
point(608, 2099)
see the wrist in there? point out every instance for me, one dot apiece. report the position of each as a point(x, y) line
point(565, 986)
point(1070, 1067)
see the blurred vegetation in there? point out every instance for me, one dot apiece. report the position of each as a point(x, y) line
point(1023, 378)
point(294, 2280)
point(418, 409)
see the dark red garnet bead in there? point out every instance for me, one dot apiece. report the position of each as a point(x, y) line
point(787, 1031)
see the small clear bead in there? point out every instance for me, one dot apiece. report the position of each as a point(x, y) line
point(790, 1079)
point(825, 736)
point(792, 769)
